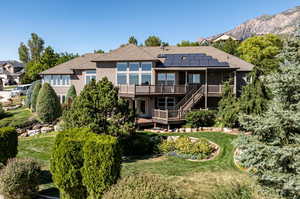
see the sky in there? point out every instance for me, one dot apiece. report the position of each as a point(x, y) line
point(82, 26)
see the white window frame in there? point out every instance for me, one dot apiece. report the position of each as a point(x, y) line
point(89, 74)
point(140, 72)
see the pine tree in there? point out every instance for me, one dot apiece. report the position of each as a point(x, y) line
point(273, 151)
point(48, 106)
point(255, 95)
point(132, 40)
point(291, 49)
point(99, 108)
point(227, 115)
point(34, 96)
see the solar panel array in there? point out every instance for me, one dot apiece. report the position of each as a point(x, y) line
point(186, 60)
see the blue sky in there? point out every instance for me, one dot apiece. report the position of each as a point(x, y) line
point(81, 26)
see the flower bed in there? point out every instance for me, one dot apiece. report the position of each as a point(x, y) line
point(188, 148)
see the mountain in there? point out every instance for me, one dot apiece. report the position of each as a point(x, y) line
point(282, 23)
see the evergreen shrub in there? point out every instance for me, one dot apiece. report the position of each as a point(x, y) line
point(202, 118)
point(8, 143)
point(48, 105)
point(84, 164)
point(34, 95)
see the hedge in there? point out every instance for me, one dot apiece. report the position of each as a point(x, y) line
point(102, 164)
point(85, 162)
point(8, 143)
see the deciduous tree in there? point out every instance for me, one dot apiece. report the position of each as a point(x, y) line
point(36, 46)
point(153, 41)
point(24, 56)
point(185, 43)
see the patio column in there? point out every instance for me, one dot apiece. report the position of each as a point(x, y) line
point(234, 83)
point(186, 76)
point(206, 86)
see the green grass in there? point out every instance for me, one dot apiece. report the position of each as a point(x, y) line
point(177, 166)
point(38, 147)
point(6, 88)
point(17, 117)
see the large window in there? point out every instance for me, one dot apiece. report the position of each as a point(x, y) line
point(146, 66)
point(122, 66)
point(166, 103)
point(57, 80)
point(122, 78)
point(134, 73)
point(166, 78)
point(194, 78)
point(133, 79)
point(89, 76)
point(146, 79)
point(134, 66)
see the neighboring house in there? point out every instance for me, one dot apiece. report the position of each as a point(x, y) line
point(162, 84)
point(223, 38)
point(11, 72)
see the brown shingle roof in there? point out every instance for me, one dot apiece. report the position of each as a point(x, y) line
point(82, 62)
point(128, 52)
point(134, 53)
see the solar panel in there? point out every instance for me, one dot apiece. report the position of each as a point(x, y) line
point(186, 60)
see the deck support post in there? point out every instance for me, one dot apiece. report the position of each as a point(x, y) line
point(234, 83)
point(206, 89)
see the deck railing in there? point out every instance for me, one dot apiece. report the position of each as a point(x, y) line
point(168, 114)
point(153, 89)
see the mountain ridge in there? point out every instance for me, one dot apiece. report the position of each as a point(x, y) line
point(284, 22)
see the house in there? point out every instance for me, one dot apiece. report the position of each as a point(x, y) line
point(11, 72)
point(162, 83)
point(224, 37)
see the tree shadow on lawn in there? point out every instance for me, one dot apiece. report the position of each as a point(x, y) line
point(46, 184)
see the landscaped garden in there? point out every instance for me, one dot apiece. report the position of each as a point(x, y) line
point(190, 178)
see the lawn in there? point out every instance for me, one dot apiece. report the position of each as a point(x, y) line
point(17, 117)
point(192, 179)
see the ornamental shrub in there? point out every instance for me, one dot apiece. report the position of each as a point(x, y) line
point(29, 94)
point(19, 179)
point(202, 118)
point(48, 105)
point(34, 95)
point(67, 161)
point(8, 143)
point(102, 164)
point(186, 148)
point(71, 93)
point(139, 144)
point(140, 186)
point(84, 164)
